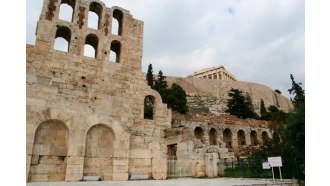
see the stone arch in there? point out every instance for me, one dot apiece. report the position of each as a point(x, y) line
point(96, 8)
point(213, 135)
point(149, 107)
point(49, 152)
point(62, 39)
point(91, 40)
point(241, 138)
point(254, 138)
point(115, 51)
point(227, 137)
point(117, 22)
point(99, 152)
point(65, 10)
point(199, 133)
point(264, 136)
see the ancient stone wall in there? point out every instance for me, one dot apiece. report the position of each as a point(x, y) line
point(203, 143)
point(85, 115)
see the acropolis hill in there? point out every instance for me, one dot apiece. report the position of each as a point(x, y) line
point(85, 115)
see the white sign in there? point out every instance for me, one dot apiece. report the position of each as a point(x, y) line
point(275, 161)
point(265, 165)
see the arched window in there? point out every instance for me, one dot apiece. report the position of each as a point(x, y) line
point(213, 136)
point(227, 138)
point(91, 44)
point(115, 50)
point(62, 39)
point(149, 102)
point(253, 138)
point(265, 137)
point(241, 138)
point(117, 22)
point(199, 133)
point(67, 10)
point(95, 15)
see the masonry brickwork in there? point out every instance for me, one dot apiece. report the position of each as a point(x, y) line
point(85, 115)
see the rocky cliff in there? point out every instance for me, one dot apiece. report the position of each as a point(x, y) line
point(207, 95)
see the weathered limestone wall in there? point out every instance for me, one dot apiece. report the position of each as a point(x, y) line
point(204, 142)
point(84, 115)
point(214, 93)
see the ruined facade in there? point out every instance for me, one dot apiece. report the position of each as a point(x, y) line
point(202, 145)
point(85, 114)
point(218, 73)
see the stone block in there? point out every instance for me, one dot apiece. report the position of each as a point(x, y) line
point(120, 176)
point(73, 176)
point(119, 162)
point(139, 153)
point(121, 153)
point(75, 169)
point(139, 162)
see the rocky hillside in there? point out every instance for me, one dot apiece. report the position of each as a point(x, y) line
point(206, 95)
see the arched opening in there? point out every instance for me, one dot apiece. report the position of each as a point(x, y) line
point(227, 138)
point(91, 45)
point(62, 39)
point(67, 10)
point(199, 133)
point(117, 22)
point(241, 138)
point(213, 135)
point(149, 102)
point(50, 149)
point(253, 138)
point(99, 152)
point(115, 50)
point(94, 15)
point(265, 137)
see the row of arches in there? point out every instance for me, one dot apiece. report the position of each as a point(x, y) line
point(51, 146)
point(94, 19)
point(63, 39)
point(228, 137)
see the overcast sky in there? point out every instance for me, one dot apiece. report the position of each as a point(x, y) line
point(255, 40)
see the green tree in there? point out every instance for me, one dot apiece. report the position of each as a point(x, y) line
point(278, 91)
point(239, 105)
point(289, 130)
point(295, 131)
point(176, 99)
point(264, 115)
point(160, 83)
point(150, 76)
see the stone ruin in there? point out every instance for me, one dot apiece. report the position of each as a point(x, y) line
point(85, 115)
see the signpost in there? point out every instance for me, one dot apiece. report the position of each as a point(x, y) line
point(275, 162)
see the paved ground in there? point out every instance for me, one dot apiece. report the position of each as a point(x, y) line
point(171, 182)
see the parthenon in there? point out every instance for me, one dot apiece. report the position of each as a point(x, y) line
point(219, 73)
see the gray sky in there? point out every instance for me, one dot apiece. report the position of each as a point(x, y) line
point(255, 40)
